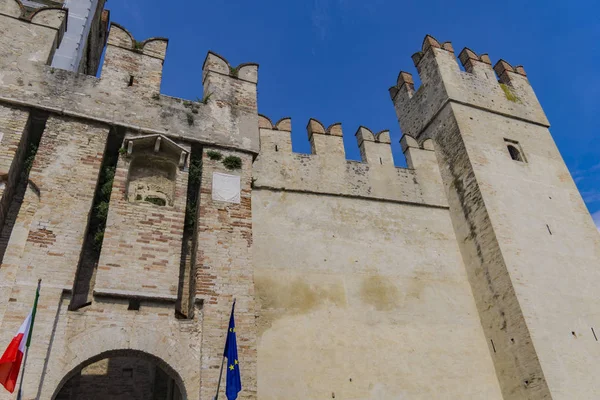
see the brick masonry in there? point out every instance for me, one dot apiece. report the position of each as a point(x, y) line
point(224, 272)
point(143, 239)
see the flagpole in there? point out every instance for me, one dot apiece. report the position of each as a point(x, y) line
point(20, 394)
point(220, 377)
point(222, 362)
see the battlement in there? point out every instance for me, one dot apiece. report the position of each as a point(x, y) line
point(132, 64)
point(502, 89)
point(128, 92)
point(374, 148)
point(327, 171)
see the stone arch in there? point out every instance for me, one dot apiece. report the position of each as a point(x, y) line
point(111, 354)
point(130, 353)
point(180, 353)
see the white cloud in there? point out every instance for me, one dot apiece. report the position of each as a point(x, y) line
point(596, 217)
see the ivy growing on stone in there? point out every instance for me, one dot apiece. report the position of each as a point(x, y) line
point(29, 157)
point(98, 221)
point(194, 177)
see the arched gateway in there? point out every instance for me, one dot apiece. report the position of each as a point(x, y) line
point(121, 375)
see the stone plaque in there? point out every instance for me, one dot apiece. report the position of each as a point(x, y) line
point(226, 188)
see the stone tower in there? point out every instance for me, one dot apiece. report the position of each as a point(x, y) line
point(468, 275)
point(531, 250)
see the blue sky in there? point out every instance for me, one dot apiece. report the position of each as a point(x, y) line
point(335, 59)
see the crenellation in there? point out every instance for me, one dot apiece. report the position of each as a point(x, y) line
point(443, 82)
point(284, 124)
point(133, 66)
point(374, 149)
point(275, 138)
point(328, 172)
point(326, 141)
point(264, 122)
point(477, 65)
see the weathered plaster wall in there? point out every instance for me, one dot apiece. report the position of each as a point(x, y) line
point(361, 288)
point(365, 300)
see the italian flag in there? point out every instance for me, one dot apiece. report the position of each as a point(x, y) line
point(10, 362)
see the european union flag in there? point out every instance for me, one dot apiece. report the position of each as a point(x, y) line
point(234, 380)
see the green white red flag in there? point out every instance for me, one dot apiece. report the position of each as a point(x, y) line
point(10, 362)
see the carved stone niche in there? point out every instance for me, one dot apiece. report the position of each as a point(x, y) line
point(153, 164)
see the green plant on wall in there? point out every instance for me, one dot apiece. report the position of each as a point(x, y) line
point(214, 155)
point(194, 177)
point(29, 157)
point(205, 99)
point(232, 162)
point(101, 210)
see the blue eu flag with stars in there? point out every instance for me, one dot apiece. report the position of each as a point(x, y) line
point(234, 380)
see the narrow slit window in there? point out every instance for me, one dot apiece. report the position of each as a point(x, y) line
point(131, 78)
point(276, 148)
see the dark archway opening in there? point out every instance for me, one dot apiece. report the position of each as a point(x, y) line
point(121, 375)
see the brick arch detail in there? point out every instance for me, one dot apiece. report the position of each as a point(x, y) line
point(90, 347)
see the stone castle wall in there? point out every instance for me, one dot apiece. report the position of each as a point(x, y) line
point(469, 274)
